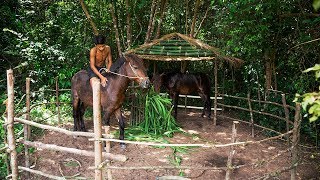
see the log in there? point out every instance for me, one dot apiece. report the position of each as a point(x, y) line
point(54, 147)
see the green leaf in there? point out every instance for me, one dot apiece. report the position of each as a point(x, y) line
point(316, 4)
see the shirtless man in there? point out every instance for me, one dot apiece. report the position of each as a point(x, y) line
point(100, 57)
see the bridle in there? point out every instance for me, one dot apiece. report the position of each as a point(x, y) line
point(130, 77)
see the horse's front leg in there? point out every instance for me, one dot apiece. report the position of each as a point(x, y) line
point(121, 121)
point(175, 98)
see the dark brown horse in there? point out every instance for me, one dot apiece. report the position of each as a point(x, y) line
point(124, 70)
point(180, 83)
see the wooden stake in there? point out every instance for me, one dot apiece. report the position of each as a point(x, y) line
point(295, 141)
point(251, 115)
point(26, 128)
point(215, 92)
point(10, 126)
point(57, 100)
point(108, 148)
point(97, 127)
point(232, 151)
point(286, 112)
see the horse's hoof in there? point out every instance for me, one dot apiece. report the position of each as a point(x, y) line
point(122, 146)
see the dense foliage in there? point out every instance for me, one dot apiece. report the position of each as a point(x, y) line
point(277, 40)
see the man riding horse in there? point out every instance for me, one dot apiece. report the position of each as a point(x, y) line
point(100, 57)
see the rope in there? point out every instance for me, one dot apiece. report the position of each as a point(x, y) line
point(130, 77)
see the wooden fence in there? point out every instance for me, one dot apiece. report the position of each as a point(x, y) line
point(102, 159)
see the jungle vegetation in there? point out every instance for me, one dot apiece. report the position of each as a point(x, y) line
point(277, 40)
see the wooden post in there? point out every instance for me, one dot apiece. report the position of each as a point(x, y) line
point(286, 112)
point(10, 126)
point(215, 92)
point(232, 151)
point(295, 141)
point(251, 115)
point(57, 101)
point(185, 103)
point(26, 128)
point(97, 127)
point(108, 148)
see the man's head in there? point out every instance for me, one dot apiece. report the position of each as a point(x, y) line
point(99, 39)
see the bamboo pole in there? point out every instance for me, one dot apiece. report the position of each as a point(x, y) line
point(295, 141)
point(215, 92)
point(10, 125)
point(97, 128)
point(41, 173)
point(251, 115)
point(60, 130)
point(57, 100)
point(286, 112)
point(108, 148)
point(53, 147)
point(26, 128)
point(232, 151)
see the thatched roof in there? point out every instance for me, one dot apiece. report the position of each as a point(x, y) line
point(179, 47)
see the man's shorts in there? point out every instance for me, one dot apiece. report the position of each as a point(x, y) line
point(91, 74)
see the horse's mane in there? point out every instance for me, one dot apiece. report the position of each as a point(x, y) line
point(116, 65)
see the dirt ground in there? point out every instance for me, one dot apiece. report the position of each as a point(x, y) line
point(257, 161)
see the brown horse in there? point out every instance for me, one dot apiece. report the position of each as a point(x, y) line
point(123, 71)
point(180, 83)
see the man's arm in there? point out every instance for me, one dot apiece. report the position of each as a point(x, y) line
point(109, 58)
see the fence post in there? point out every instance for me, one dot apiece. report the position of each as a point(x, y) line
point(108, 148)
point(295, 141)
point(10, 125)
point(26, 128)
point(215, 92)
point(57, 101)
point(286, 112)
point(97, 127)
point(251, 115)
point(231, 151)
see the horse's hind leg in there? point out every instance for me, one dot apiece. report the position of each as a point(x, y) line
point(121, 121)
point(75, 109)
point(82, 109)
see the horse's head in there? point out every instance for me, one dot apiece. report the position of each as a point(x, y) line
point(157, 81)
point(136, 70)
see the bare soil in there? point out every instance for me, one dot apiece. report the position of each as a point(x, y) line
point(264, 160)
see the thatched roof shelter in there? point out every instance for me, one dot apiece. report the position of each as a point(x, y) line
point(179, 47)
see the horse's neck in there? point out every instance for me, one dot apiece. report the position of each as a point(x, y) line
point(119, 83)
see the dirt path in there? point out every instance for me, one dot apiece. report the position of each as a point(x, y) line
point(256, 160)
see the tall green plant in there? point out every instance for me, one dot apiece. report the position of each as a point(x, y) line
point(157, 115)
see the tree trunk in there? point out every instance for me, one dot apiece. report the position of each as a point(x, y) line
point(129, 30)
point(115, 26)
point(270, 56)
point(94, 28)
point(151, 21)
point(194, 18)
point(162, 13)
point(203, 19)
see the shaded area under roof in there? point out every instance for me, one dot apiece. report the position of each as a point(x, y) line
point(179, 47)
